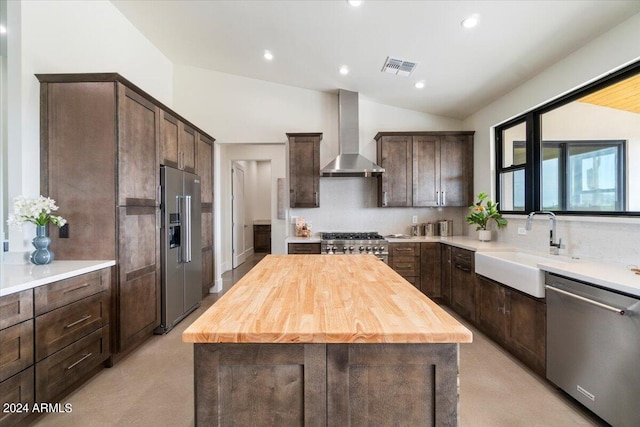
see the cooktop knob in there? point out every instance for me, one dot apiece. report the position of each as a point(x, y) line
point(368, 248)
point(361, 248)
point(350, 248)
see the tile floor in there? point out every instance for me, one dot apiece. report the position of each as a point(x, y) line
point(154, 386)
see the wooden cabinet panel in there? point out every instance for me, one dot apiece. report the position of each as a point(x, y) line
point(16, 343)
point(63, 292)
point(406, 266)
point(526, 330)
point(187, 147)
point(396, 183)
point(204, 167)
point(206, 239)
point(456, 170)
point(463, 299)
point(404, 249)
point(491, 309)
point(61, 327)
point(304, 170)
point(445, 272)
point(138, 129)
point(430, 270)
point(58, 373)
point(138, 294)
point(16, 308)
point(426, 170)
point(262, 238)
point(169, 139)
point(207, 270)
point(303, 248)
point(17, 389)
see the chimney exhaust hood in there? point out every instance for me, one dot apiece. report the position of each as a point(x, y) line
point(349, 162)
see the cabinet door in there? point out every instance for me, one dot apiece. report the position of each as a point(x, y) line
point(204, 168)
point(456, 170)
point(430, 270)
point(169, 139)
point(304, 171)
point(426, 170)
point(463, 299)
point(445, 273)
point(138, 294)
point(526, 329)
point(396, 183)
point(138, 139)
point(491, 309)
point(187, 147)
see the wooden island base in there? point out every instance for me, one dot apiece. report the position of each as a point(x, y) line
point(326, 384)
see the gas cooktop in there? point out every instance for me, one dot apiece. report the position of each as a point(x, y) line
point(351, 236)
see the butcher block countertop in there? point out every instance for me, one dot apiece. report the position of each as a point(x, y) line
point(324, 299)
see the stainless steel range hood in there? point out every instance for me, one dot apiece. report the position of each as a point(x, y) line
point(349, 162)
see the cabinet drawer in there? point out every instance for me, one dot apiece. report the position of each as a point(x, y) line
point(404, 249)
point(17, 389)
point(59, 328)
point(63, 369)
point(16, 308)
point(66, 291)
point(406, 266)
point(462, 256)
point(16, 349)
point(304, 248)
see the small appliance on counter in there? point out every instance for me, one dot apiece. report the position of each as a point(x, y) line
point(446, 228)
point(431, 229)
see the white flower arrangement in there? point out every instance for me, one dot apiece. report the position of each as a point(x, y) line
point(37, 211)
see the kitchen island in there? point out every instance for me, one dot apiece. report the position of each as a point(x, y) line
point(321, 340)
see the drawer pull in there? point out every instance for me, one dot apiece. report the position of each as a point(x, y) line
point(404, 249)
point(82, 359)
point(77, 288)
point(71, 325)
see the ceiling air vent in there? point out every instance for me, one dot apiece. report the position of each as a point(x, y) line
point(399, 67)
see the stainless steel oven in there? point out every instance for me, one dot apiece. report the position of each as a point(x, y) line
point(353, 243)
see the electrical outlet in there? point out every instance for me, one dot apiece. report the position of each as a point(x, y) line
point(522, 231)
point(414, 219)
point(64, 231)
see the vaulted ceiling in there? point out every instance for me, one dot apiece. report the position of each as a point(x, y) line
point(462, 69)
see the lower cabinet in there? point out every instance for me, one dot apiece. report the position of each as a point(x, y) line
point(463, 288)
point(430, 283)
point(404, 258)
point(262, 238)
point(52, 338)
point(303, 248)
point(514, 320)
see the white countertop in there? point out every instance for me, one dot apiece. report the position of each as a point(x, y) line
point(464, 242)
point(293, 239)
point(19, 277)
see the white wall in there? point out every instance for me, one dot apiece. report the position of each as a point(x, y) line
point(618, 47)
point(261, 206)
point(71, 37)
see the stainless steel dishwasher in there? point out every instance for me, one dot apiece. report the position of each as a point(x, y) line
point(593, 348)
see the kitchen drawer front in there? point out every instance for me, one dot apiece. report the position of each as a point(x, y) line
point(415, 281)
point(462, 257)
point(57, 294)
point(61, 327)
point(16, 349)
point(16, 308)
point(17, 389)
point(404, 249)
point(303, 248)
point(60, 371)
point(406, 265)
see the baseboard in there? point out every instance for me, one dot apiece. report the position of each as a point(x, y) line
point(217, 286)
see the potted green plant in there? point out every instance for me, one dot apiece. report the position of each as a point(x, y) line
point(481, 212)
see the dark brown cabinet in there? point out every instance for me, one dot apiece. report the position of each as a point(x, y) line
point(430, 270)
point(404, 258)
point(303, 248)
point(102, 142)
point(262, 238)
point(514, 320)
point(425, 168)
point(445, 273)
point(304, 170)
point(463, 289)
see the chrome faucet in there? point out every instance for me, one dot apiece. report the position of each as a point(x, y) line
point(554, 247)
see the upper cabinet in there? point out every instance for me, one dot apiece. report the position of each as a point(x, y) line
point(178, 143)
point(304, 170)
point(425, 169)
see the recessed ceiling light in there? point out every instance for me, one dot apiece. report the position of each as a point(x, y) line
point(354, 3)
point(268, 55)
point(470, 21)
point(419, 85)
point(3, 30)
point(344, 70)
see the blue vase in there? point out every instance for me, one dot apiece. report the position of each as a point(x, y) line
point(42, 254)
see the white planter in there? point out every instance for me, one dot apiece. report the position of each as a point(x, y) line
point(484, 235)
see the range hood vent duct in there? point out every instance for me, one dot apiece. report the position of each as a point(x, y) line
point(349, 163)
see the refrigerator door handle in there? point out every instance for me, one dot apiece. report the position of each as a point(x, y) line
point(187, 234)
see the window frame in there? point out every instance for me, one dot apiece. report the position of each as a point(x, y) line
point(533, 144)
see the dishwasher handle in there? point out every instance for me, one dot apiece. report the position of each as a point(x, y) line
point(619, 311)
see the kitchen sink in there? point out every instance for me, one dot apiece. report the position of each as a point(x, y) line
point(518, 270)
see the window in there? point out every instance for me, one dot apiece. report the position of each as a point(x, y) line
point(579, 154)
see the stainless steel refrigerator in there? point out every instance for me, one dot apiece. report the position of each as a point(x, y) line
point(180, 248)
